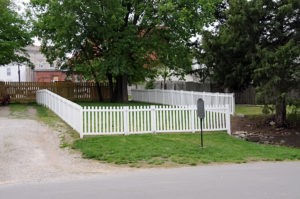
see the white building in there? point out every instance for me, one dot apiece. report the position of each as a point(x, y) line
point(43, 71)
point(14, 73)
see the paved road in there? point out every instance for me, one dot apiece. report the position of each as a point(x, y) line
point(254, 180)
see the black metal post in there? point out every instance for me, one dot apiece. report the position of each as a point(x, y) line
point(201, 120)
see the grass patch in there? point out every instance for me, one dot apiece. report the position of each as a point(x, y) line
point(46, 115)
point(179, 149)
point(67, 135)
point(257, 109)
point(248, 109)
point(109, 104)
point(18, 110)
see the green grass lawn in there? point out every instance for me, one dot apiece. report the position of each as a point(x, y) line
point(105, 104)
point(248, 109)
point(17, 110)
point(151, 150)
point(179, 149)
point(256, 109)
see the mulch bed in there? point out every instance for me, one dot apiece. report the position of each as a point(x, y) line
point(263, 130)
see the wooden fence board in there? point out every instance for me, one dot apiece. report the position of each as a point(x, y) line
point(25, 92)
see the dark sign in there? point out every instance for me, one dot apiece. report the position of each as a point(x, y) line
point(200, 108)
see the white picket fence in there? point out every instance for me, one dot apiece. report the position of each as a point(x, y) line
point(136, 119)
point(183, 98)
point(69, 111)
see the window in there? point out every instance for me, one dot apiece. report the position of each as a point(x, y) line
point(55, 79)
point(41, 64)
point(8, 71)
point(51, 65)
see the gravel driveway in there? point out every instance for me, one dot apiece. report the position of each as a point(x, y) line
point(30, 152)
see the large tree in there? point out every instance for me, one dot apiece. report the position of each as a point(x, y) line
point(278, 59)
point(14, 34)
point(227, 49)
point(119, 41)
point(258, 43)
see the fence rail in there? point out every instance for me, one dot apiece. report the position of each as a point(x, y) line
point(183, 98)
point(134, 120)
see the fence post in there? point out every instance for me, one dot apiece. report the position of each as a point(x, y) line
point(233, 104)
point(153, 119)
point(81, 120)
point(126, 120)
point(192, 118)
point(181, 98)
point(228, 126)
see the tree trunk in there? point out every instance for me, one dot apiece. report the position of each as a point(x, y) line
point(111, 87)
point(100, 96)
point(280, 115)
point(120, 92)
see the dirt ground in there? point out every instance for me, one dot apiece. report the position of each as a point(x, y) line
point(261, 129)
point(30, 152)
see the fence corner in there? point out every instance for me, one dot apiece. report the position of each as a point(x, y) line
point(81, 122)
point(228, 125)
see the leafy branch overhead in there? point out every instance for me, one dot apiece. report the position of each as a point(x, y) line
point(122, 40)
point(14, 35)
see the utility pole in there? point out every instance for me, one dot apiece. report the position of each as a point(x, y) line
point(19, 73)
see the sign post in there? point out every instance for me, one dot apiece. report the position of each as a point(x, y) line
point(201, 115)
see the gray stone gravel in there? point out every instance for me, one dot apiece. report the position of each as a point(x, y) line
point(30, 152)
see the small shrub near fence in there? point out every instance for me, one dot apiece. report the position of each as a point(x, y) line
point(134, 120)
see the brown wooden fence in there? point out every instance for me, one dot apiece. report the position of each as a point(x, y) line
point(26, 91)
point(247, 96)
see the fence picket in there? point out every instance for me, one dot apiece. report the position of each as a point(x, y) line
point(128, 120)
point(183, 98)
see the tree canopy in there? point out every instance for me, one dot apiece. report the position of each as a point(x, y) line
point(228, 50)
point(256, 42)
point(14, 35)
point(277, 61)
point(120, 41)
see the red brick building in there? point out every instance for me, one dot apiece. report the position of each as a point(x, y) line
point(49, 76)
point(43, 70)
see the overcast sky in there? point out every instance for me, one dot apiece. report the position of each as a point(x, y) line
point(21, 9)
point(20, 5)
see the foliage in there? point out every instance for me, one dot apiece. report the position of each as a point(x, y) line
point(277, 60)
point(119, 41)
point(227, 51)
point(178, 149)
point(150, 84)
point(4, 100)
point(14, 35)
point(257, 42)
point(267, 109)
